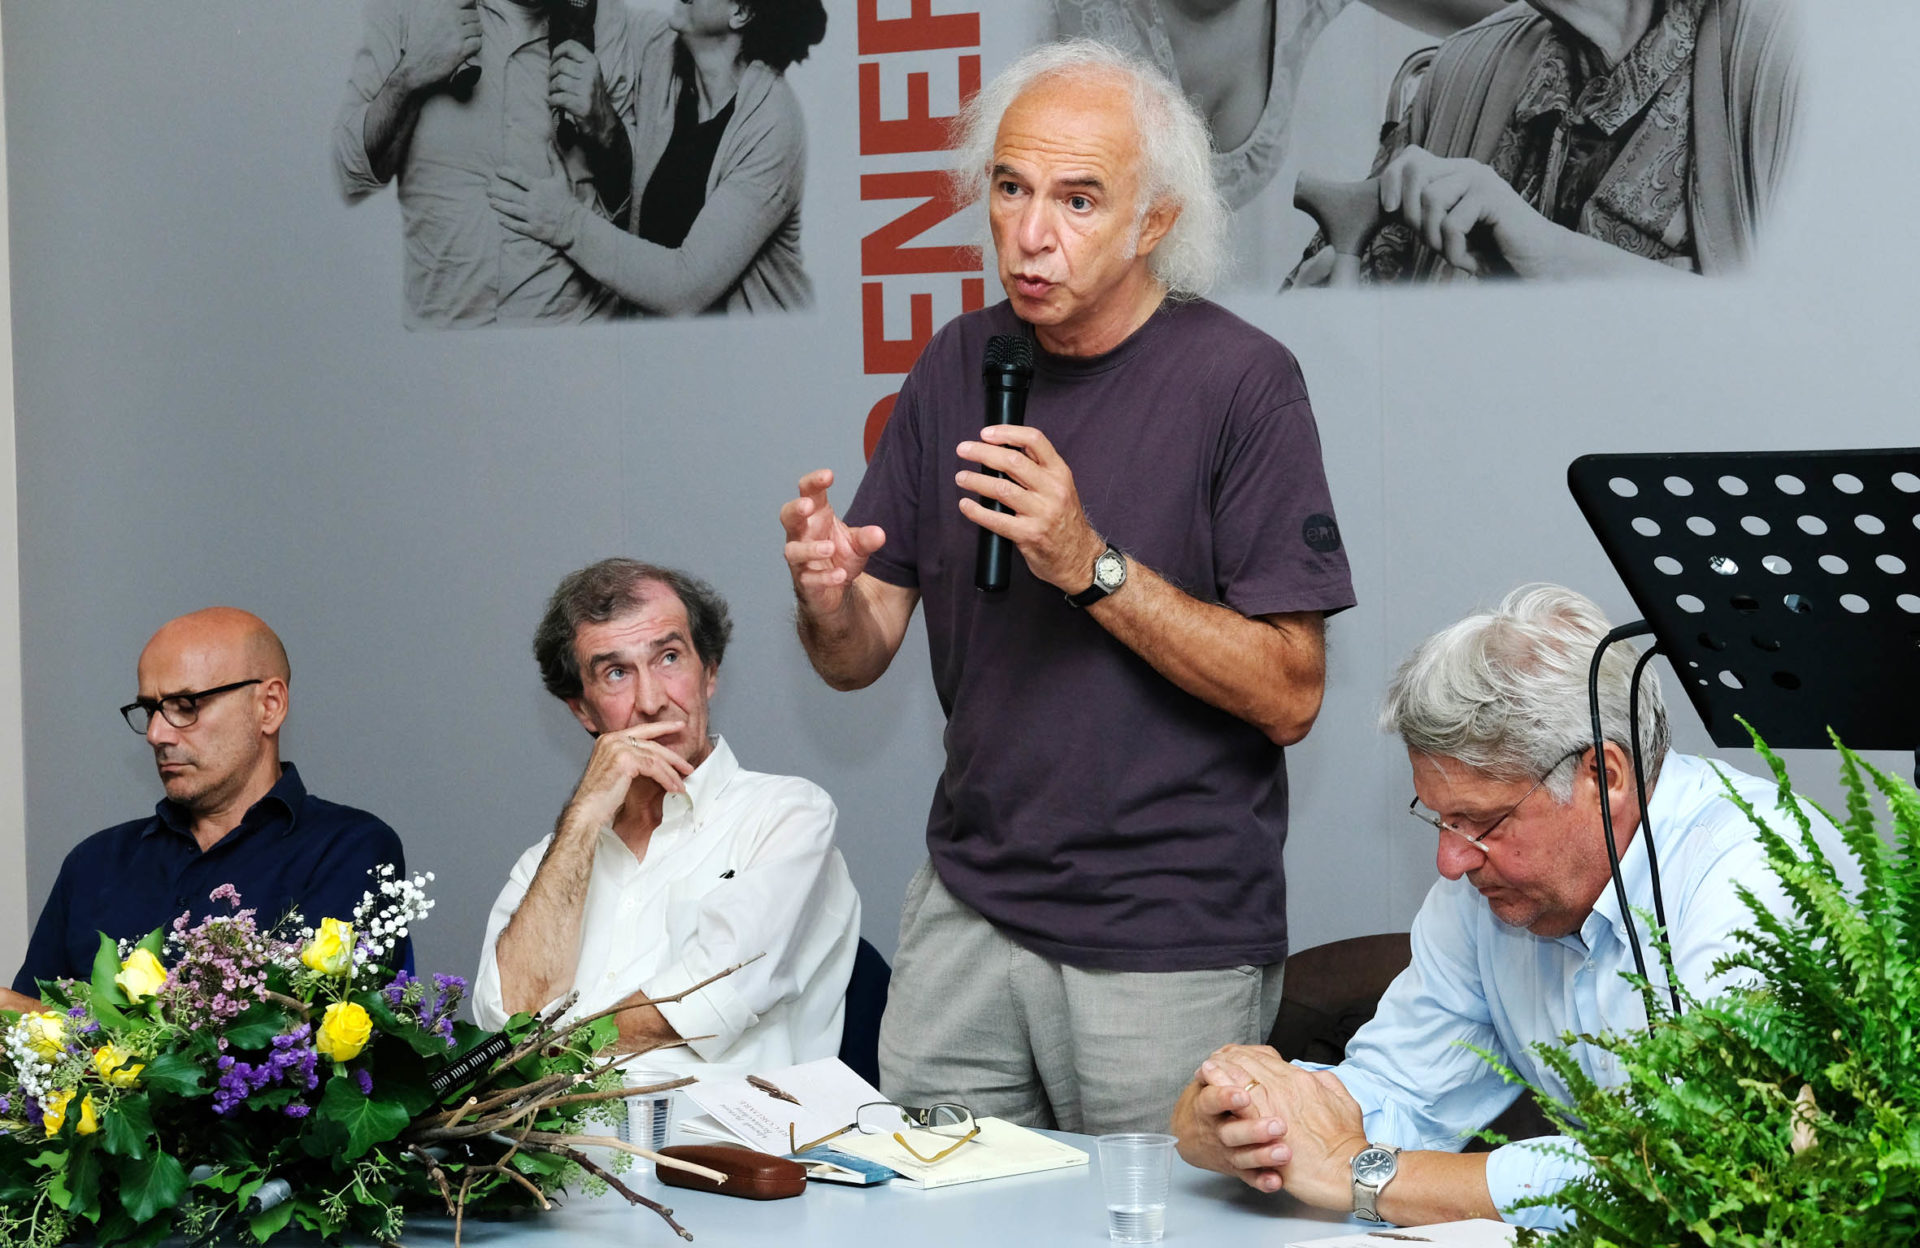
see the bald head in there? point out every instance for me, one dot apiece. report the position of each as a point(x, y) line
point(225, 674)
point(226, 633)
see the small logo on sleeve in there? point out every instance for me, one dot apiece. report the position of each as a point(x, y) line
point(1321, 533)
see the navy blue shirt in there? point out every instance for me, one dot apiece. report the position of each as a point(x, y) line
point(292, 851)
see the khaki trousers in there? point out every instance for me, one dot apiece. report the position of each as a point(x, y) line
point(975, 1018)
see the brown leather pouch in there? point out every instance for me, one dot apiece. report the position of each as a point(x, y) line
point(755, 1176)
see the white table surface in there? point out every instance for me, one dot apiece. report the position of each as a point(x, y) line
point(1064, 1207)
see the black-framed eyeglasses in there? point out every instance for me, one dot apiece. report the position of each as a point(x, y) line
point(1471, 831)
point(948, 1118)
point(182, 710)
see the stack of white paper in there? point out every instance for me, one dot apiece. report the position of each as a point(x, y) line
point(828, 1092)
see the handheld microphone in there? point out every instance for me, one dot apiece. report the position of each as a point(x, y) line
point(1009, 371)
point(569, 20)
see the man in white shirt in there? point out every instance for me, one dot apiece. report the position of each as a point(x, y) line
point(671, 862)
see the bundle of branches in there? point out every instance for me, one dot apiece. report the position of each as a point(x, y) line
point(519, 1119)
point(1787, 1113)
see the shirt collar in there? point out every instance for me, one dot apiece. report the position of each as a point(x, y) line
point(1634, 872)
point(1567, 80)
point(704, 786)
point(282, 801)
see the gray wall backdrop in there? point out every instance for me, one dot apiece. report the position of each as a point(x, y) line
point(216, 404)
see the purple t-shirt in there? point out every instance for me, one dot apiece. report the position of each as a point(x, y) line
point(1090, 809)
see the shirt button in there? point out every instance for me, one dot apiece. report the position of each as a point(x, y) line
point(609, 976)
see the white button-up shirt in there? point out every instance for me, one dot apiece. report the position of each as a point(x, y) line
point(743, 864)
point(1476, 982)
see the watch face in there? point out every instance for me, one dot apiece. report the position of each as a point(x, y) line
point(1374, 1166)
point(1110, 571)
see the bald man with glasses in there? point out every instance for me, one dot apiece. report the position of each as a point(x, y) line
point(213, 698)
point(1520, 942)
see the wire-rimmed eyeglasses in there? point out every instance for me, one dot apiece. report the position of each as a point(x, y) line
point(1471, 831)
point(948, 1119)
point(182, 710)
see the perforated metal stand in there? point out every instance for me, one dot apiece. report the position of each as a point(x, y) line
point(1783, 586)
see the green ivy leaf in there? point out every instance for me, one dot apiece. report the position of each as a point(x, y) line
point(106, 964)
point(126, 1126)
point(368, 1120)
point(147, 1187)
point(83, 1182)
point(173, 1072)
point(256, 1027)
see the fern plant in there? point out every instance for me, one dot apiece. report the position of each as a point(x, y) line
point(1786, 1113)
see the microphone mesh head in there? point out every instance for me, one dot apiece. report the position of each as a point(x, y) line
point(1010, 351)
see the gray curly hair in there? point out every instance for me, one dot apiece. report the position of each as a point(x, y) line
point(1176, 156)
point(1505, 691)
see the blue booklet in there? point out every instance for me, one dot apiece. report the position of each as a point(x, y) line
point(832, 1166)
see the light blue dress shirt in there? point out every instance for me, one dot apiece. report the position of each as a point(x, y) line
point(1476, 981)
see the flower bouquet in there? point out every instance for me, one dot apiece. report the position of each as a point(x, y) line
point(228, 1080)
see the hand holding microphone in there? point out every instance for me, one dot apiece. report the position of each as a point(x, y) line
point(1028, 500)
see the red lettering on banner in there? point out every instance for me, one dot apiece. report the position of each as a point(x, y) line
point(885, 251)
point(919, 130)
point(881, 252)
point(920, 31)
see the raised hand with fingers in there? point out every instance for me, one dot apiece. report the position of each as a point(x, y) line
point(824, 555)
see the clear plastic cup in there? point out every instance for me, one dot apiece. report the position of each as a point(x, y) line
point(649, 1117)
point(1136, 1170)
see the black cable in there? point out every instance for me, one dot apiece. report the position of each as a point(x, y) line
point(1646, 819)
point(1625, 631)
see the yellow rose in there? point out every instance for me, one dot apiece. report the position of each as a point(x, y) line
point(115, 1065)
point(343, 1032)
point(88, 1122)
point(53, 1110)
point(331, 950)
point(140, 976)
point(46, 1033)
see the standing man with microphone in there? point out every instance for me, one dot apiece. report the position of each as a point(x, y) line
point(1105, 897)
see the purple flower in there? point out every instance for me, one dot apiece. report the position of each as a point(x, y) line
point(6, 1103)
point(227, 893)
point(78, 1011)
point(32, 1108)
point(365, 1081)
point(297, 1110)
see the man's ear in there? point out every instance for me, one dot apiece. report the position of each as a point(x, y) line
point(273, 699)
point(1159, 220)
point(737, 21)
point(713, 679)
point(579, 708)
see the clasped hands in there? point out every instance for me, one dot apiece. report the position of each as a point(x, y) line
point(1251, 1114)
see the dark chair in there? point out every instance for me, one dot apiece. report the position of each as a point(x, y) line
point(866, 1001)
point(1332, 990)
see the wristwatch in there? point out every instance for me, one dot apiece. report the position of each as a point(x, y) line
point(1109, 574)
point(1373, 1168)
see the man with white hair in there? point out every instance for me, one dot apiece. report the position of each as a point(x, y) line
point(1522, 942)
point(1105, 901)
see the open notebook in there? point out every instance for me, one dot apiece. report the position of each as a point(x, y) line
point(999, 1151)
point(826, 1096)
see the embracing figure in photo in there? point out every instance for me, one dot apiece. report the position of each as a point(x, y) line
point(719, 165)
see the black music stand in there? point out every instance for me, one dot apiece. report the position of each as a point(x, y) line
point(1783, 587)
